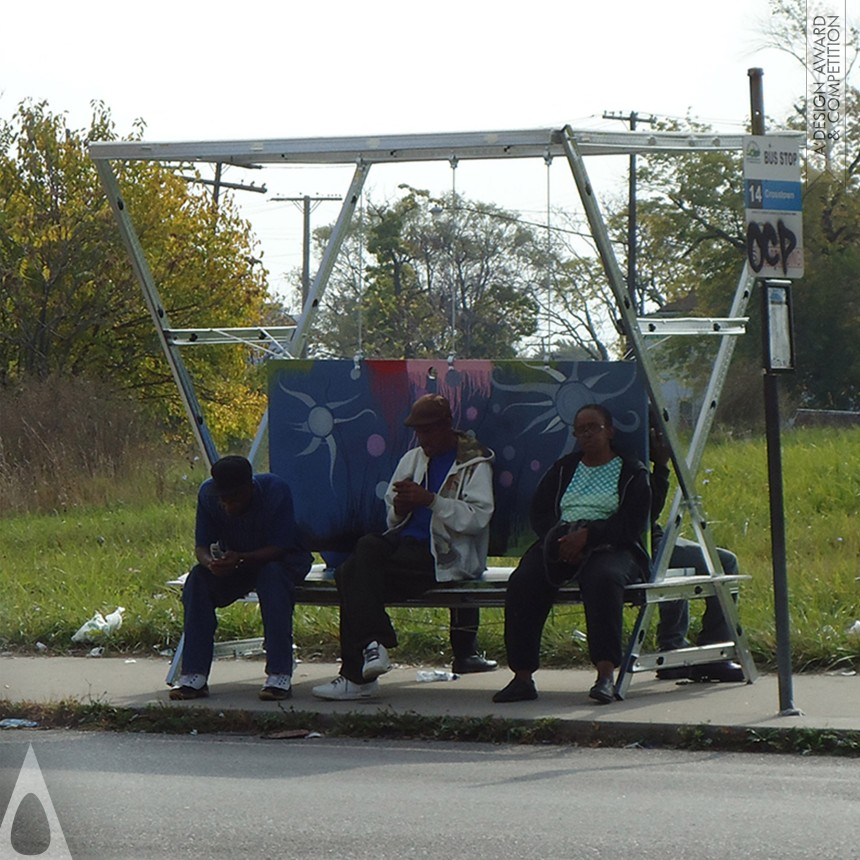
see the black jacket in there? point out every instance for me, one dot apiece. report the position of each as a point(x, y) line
point(627, 527)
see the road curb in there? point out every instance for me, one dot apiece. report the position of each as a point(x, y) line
point(184, 719)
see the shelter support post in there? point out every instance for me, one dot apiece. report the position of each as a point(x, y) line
point(684, 473)
point(158, 313)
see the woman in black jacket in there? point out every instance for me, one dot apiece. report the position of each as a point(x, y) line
point(591, 512)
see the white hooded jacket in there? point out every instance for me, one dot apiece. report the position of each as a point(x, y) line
point(461, 511)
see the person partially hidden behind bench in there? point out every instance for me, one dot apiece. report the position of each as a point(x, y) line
point(246, 539)
point(590, 511)
point(675, 614)
point(439, 504)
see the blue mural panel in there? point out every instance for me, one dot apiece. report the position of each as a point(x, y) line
point(336, 432)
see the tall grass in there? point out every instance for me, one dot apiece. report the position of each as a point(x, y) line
point(72, 441)
point(821, 477)
point(58, 567)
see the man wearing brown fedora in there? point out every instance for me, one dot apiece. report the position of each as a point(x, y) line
point(439, 504)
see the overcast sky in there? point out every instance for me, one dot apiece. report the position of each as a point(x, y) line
point(241, 70)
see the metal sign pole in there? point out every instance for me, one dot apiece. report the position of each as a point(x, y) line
point(774, 462)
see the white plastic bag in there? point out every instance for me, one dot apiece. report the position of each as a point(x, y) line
point(98, 627)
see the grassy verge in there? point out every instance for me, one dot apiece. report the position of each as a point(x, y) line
point(59, 568)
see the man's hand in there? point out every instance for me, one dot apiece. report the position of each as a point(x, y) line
point(227, 564)
point(570, 546)
point(409, 496)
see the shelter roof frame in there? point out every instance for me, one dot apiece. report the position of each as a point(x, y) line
point(362, 153)
point(386, 149)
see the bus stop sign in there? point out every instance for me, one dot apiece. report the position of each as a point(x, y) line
point(773, 206)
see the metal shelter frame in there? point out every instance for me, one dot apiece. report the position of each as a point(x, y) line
point(573, 146)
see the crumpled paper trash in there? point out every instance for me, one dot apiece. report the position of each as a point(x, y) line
point(99, 626)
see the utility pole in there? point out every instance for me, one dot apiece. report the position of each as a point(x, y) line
point(631, 119)
point(217, 183)
point(305, 201)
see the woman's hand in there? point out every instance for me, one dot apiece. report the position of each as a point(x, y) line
point(571, 545)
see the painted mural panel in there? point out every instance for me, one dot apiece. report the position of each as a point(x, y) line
point(336, 432)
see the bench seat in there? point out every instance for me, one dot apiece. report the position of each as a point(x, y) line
point(318, 589)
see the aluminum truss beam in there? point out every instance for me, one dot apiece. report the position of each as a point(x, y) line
point(270, 339)
point(674, 520)
point(665, 326)
point(332, 249)
point(156, 310)
point(538, 143)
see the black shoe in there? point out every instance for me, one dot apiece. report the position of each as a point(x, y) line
point(274, 694)
point(182, 693)
point(473, 663)
point(517, 691)
point(723, 670)
point(673, 673)
point(603, 692)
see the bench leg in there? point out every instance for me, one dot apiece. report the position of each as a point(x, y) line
point(175, 663)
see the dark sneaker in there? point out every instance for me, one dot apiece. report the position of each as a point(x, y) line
point(184, 692)
point(275, 694)
point(471, 664)
point(723, 670)
point(673, 673)
point(517, 691)
point(603, 692)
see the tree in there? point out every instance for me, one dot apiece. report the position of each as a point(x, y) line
point(410, 268)
point(692, 245)
point(577, 304)
point(70, 304)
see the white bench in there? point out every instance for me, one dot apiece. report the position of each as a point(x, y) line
point(318, 589)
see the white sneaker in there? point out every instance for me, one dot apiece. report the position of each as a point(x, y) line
point(376, 661)
point(196, 681)
point(342, 690)
point(282, 681)
point(277, 688)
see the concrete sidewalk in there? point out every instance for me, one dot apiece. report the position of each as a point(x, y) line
point(828, 701)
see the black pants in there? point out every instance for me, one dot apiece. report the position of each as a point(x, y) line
point(385, 568)
point(675, 614)
point(530, 596)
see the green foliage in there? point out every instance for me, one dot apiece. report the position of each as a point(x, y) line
point(70, 304)
point(692, 246)
point(691, 226)
point(821, 474)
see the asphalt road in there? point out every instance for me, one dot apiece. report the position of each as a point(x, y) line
point(143, 796)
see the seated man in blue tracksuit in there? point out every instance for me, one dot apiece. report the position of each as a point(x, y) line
point(246, 539)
